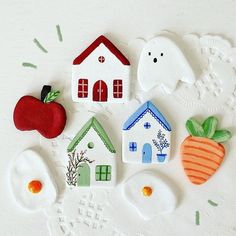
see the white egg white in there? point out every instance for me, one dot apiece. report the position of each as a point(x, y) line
point(161, 201)
point(29, 166)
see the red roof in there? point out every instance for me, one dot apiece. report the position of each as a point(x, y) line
point(101, 39)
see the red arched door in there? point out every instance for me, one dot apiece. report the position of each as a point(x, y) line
point(100, 91)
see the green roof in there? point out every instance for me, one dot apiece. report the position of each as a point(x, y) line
point(99, 130)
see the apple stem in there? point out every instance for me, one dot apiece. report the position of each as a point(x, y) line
point(44, 92)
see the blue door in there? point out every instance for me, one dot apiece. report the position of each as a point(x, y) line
point(147, 153)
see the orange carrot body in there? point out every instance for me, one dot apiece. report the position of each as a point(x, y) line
point(201, 157)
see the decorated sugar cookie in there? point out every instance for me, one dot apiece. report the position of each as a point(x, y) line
point(31, 182)
point(100, 74)
point(149, 194)
point(146, 136)
point(45, 115)
point(162, 63)
point(202, 152)
point(91, 157)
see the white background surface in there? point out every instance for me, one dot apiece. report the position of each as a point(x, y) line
point(81, 22)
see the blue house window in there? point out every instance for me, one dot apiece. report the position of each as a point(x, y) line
point(133, 146)
point(147, 125)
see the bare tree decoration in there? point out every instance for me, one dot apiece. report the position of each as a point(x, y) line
point(161, 142)
point(75, 161)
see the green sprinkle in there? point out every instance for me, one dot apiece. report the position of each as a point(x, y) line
point(27, 64)
point(212, 203)
point(197, 218)
point(39, 45)
point(59, 33)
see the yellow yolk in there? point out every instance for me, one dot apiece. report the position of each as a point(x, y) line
point(35, 186)
point(147, 191)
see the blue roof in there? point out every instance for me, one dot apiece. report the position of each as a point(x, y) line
point(146, 107)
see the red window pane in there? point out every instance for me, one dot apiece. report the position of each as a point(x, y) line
point(101, 59)
point(83, 88)
point(117, 88)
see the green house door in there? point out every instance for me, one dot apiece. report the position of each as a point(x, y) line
point(83, 175)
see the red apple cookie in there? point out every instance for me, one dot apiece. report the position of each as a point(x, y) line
point(45, 116)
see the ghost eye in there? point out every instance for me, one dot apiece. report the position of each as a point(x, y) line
point(149, 53)
point(162, 54)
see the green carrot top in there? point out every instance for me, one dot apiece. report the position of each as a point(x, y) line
point(208, 130)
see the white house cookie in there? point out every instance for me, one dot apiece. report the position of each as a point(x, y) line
point(91, 157)
point(101, 74)
point(146, 136)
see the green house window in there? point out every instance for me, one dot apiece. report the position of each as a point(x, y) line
point(103, 173)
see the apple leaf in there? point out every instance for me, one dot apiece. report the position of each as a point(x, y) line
point(194, 128)
point(51, 96)
point(209, 126)
point(221, 136)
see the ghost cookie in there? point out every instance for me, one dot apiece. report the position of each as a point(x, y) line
point(31, 182)
point(162, 63)
point(149, 194)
